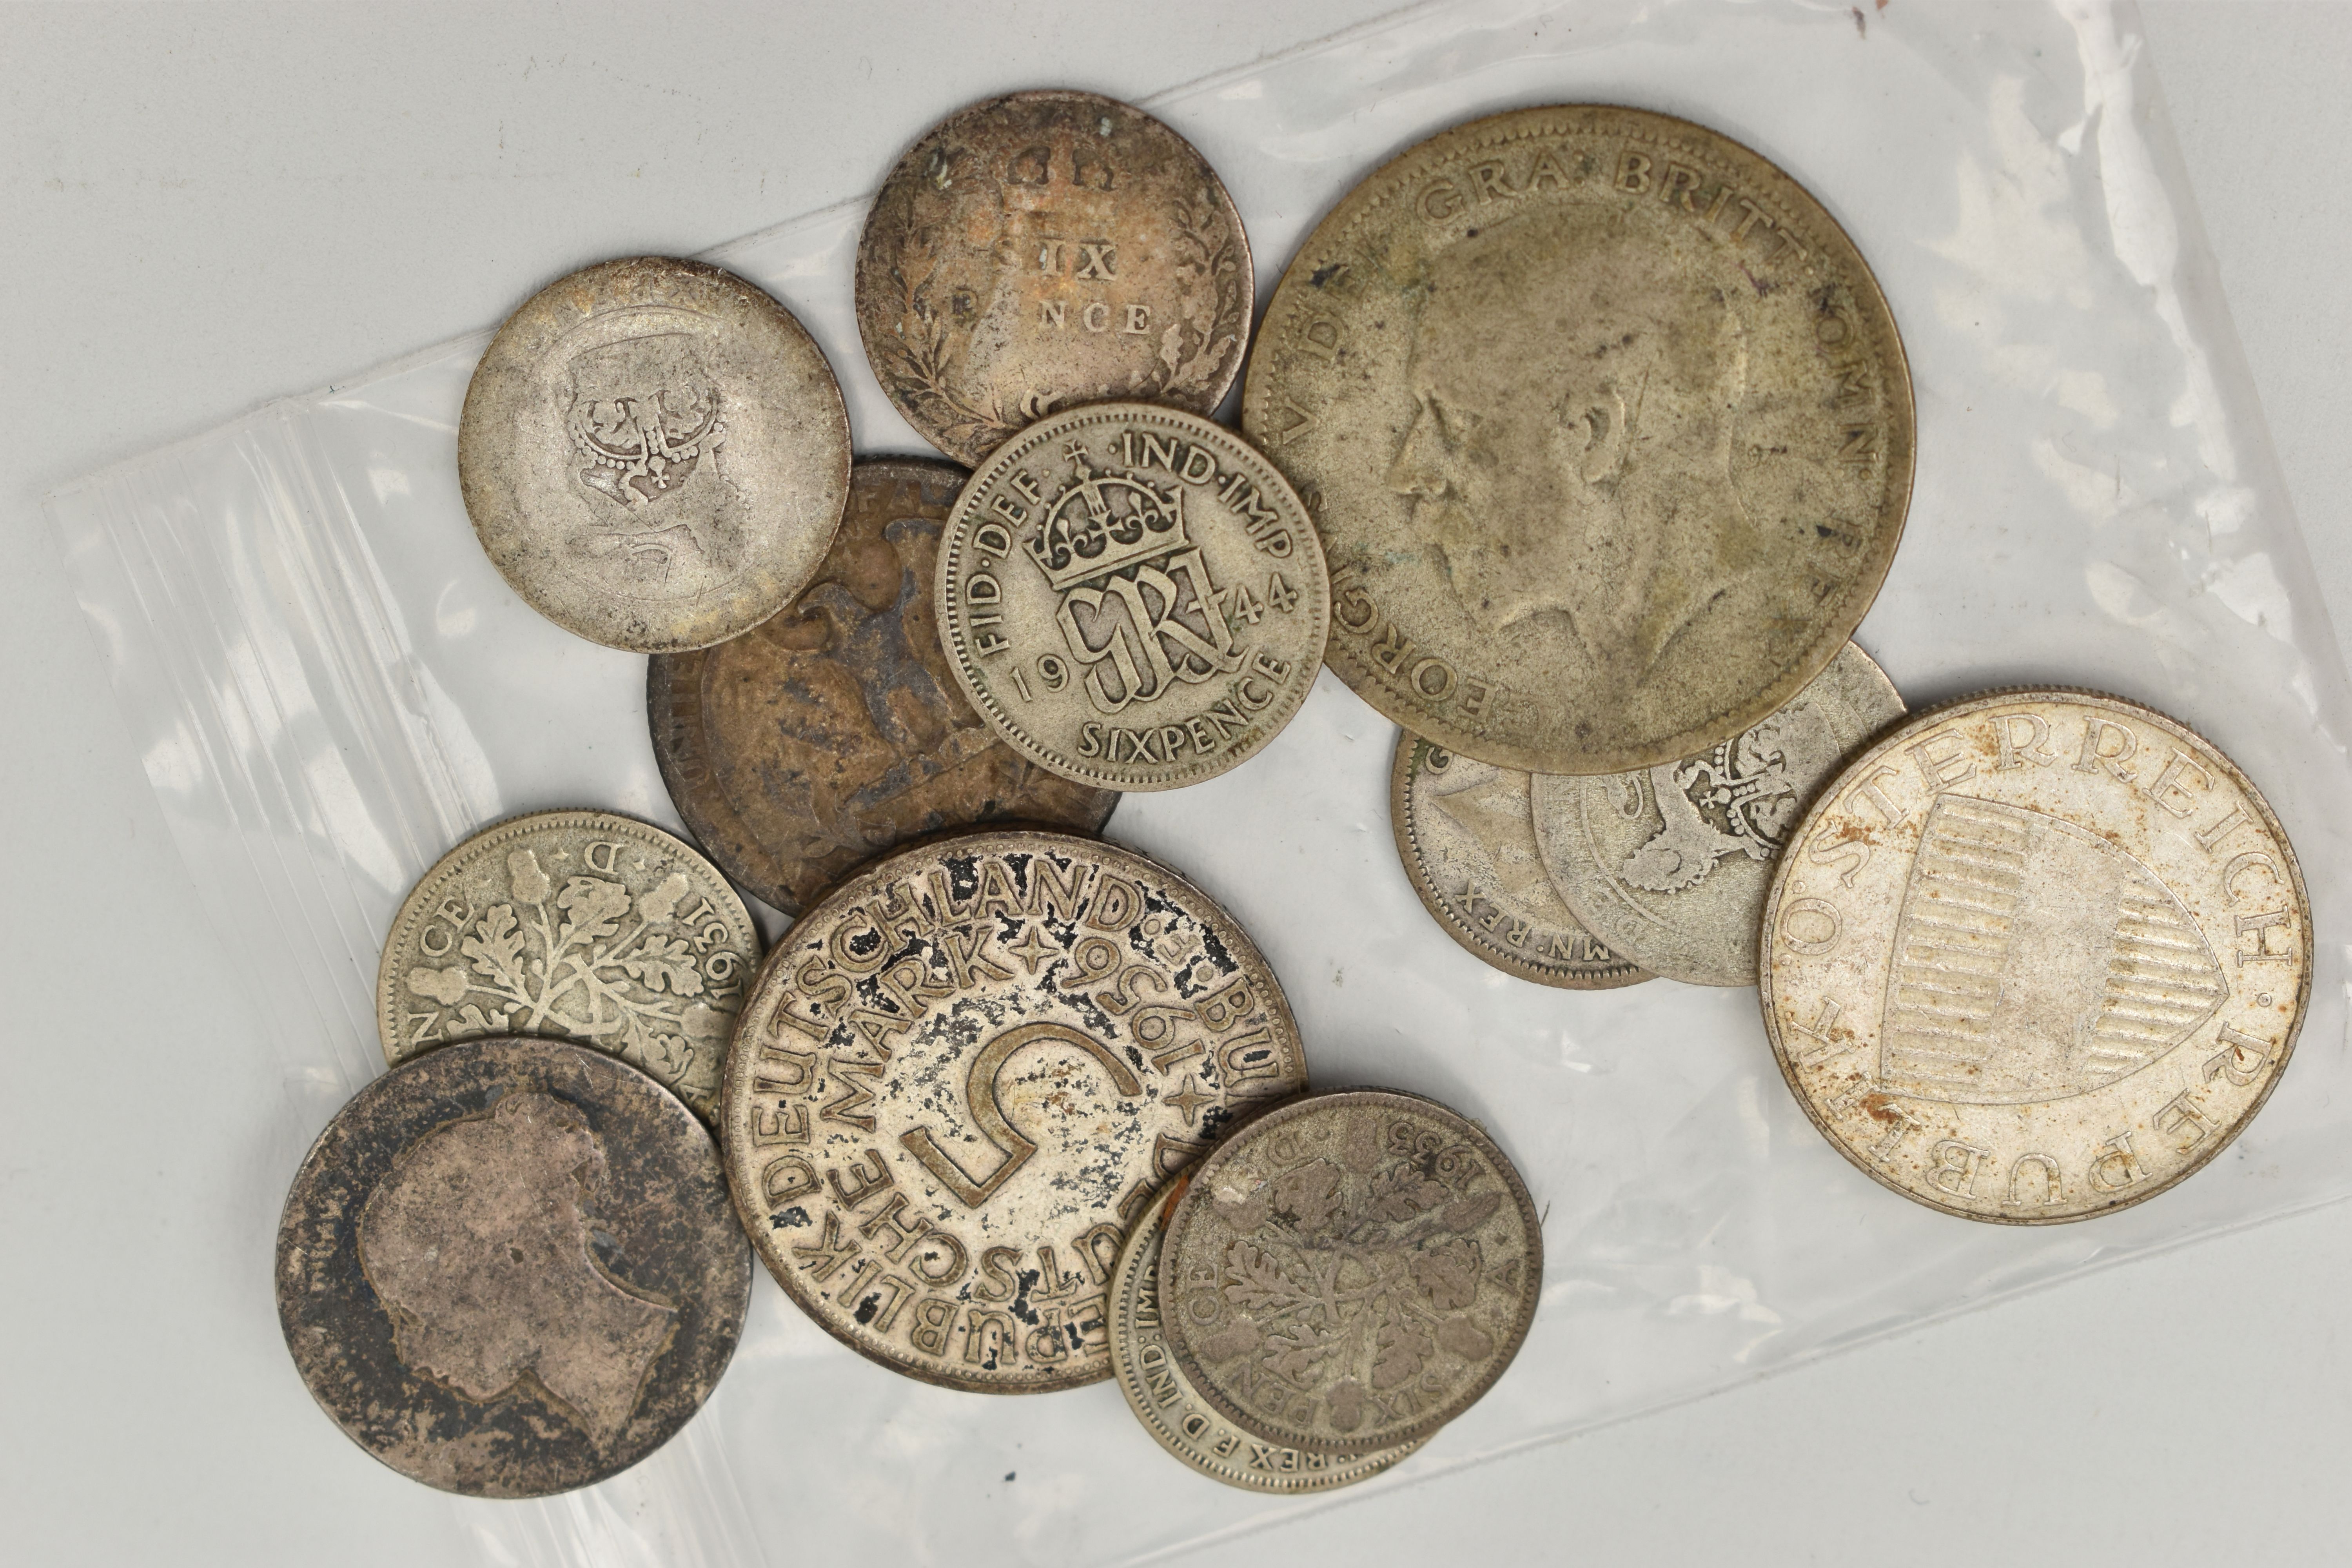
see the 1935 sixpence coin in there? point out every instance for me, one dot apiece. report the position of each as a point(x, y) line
point(834, 732)
point(1607, 430)
point(1350, 1271)
point(510, 1267)
point(1047, 249)
point(1469, 845)
point(1132, 596)
point(2036, 956)
point(965, 1073)
point(1671, 863)
point(654, 454)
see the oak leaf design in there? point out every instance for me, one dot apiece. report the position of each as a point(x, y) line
point(1447, 1276)
point(665, 964)
point(1404, 1348)
point(1306, 1196)
point(496, 947)
point(594, 907)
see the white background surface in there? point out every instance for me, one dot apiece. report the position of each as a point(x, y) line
point(204, 206)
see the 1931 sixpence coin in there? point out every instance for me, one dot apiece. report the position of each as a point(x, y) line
point(2036, 956)
point(1132, 596)
point(654, 454)
point(1350, 1271)
point(1048, 248)
point(1607, 430)
point(834, 732)
point(965, 1073)
point(510, 1267)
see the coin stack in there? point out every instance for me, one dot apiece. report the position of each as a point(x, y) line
point(1578, 441)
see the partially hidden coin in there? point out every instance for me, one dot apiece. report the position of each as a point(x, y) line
point(1670, 863)
point(835, 732)
point(1350, 1271)
point(510, 1267)
point(1178, 1417)
point(964, 1074)
point(1469, 845)
point(2036, 955)
point(1132, 596)
point(654, 454)
point(1047, 249)
point(579, 925)
point(1606, 427)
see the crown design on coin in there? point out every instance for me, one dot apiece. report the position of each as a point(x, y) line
point(643, 412)
point(1104, 522)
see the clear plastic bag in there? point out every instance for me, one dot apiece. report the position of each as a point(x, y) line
point(331, 686)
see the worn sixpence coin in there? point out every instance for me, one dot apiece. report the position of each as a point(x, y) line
point(1044, 249)
point(834, 732)
point(1178, 1417)
point(1132, 596)
point(654, 454)
point(510, 1267)
point(964, 1073)
point(577, 924)
point(1607, 429)
point(1350, 1271)
point(2036, 955)
point(1670, 863)
point(1469, 845)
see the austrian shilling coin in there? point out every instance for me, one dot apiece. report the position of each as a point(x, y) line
point(510, 1268)
point(1047, 249)
point(1180, 1418)
point(1606, 427)
point(834, 732)
point(2036, 955)
point(1132, 596)
point(654, 454)
point(1468, 846)
point(579, 925)
point(1350, 1271)
point(961, 1077)
point(1671, 863)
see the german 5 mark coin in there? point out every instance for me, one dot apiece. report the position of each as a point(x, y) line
point(654, 454)
point(1132, 596)
point(834, 732)
point(961, 1077)
point(1350, 1271)
point(1047, 249)
point(1463, 833)
point(1607, 430)
point(2036, 956)
point(510, 1267)
point(577, 924)
point(1670, 863)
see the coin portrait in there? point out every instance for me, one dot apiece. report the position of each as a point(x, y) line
point(654, 454)
point(2036, 955)
point(1605, 425)
point(511, 1269)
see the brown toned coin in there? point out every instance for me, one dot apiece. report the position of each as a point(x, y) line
point(1048, 248)
point(510, 1268)
point(2036, 956)
point(835, 732)
point(1671, 863)
point(1132, 596)
point(1606, 427)
point(654, 454)
point(961, 1077)
point(1463, 833)
point(1350, 1271)
point(1178, 1417)
point(576, 924)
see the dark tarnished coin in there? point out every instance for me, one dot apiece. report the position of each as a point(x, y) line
point(1047, 249)
point(1607, 429)
point(654, 454)
point(964, 1073)
point(510, 1268)
point(1469, 845)
point(1349, 1272)
point(2036, 956)
point(835, 732)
